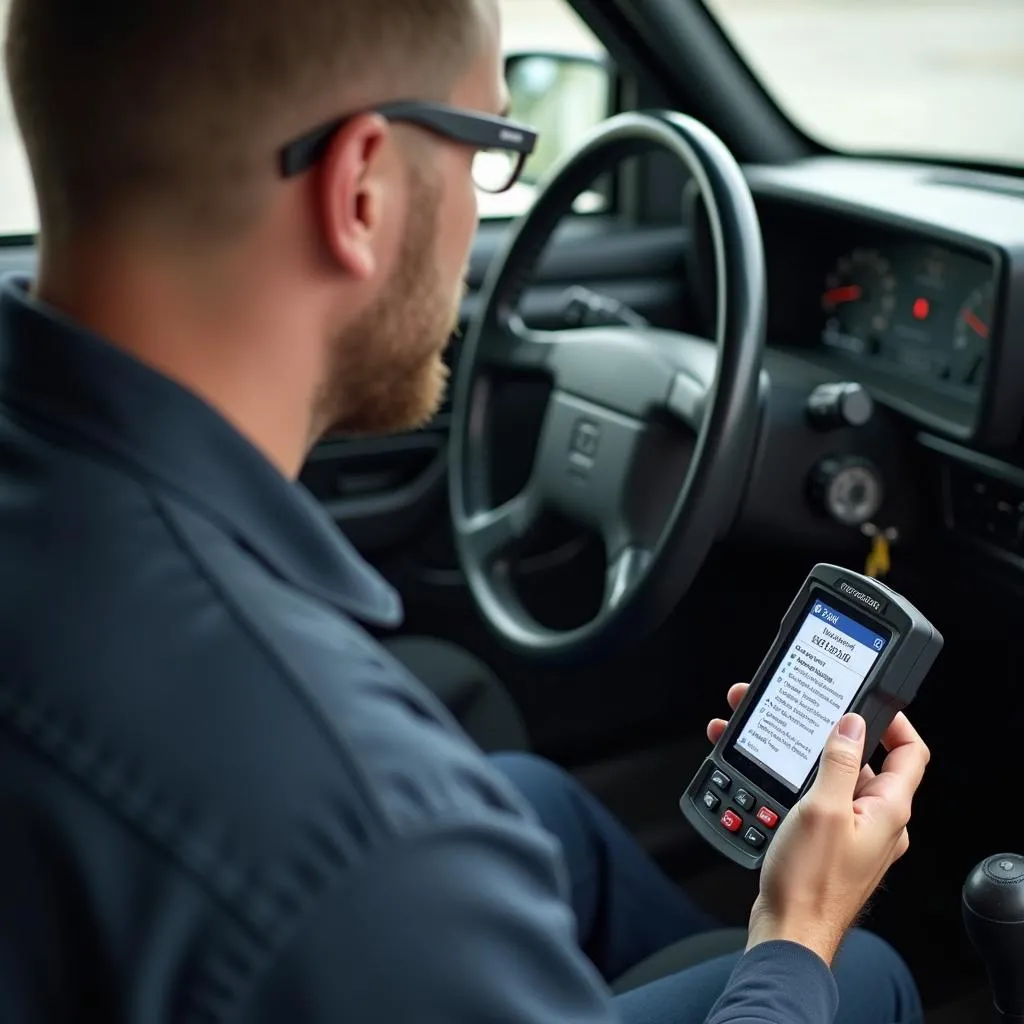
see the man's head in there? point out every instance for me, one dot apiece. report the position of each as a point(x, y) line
point(162, 128)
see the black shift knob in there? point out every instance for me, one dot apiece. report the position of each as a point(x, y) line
point(993, 906)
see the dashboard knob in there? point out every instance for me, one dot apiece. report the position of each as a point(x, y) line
point(847, 488)
point(843, 404)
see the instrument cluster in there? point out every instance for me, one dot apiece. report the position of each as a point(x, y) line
point(876, 275)
point(917, 309)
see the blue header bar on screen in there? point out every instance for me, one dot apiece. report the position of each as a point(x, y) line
point(844, 624)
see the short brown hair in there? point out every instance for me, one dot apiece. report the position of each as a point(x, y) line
point(179, 105)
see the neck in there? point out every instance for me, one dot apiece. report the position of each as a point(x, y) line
point(213, 330)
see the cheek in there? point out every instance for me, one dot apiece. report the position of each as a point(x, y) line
point(465, 216)
point(456, 222)
point(466, 236)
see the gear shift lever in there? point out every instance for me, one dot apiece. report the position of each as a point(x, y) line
point(993, 908)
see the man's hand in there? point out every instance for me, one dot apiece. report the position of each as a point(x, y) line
point(838, 842)
point(717, 725)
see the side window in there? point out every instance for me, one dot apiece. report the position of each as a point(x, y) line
point(560, 82)
point(18, 214)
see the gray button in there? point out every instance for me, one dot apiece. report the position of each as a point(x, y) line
point(744, 799)
point(754, 838)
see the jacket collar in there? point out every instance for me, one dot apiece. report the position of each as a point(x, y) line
point(51, 367)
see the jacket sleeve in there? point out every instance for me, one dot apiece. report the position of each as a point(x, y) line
point(468, 923)
point(463, 925)
point(778, 983)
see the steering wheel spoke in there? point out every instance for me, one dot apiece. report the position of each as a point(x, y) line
point(495, 533)
point(511, 346)
point(688, 400)
point(625, 570)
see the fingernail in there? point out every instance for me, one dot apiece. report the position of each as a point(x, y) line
point(852, 728)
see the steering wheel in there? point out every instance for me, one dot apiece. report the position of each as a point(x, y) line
point(648, 435)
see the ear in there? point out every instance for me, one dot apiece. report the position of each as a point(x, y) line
point(352, 193)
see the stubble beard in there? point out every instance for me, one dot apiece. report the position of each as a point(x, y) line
point(387, 372)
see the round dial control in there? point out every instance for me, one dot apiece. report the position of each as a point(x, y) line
point(840, 404)
point(848, 489)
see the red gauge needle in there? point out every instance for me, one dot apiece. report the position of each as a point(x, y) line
point(847, 293)
point(979, 327)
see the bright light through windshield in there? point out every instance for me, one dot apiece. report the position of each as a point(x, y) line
point(921, 77)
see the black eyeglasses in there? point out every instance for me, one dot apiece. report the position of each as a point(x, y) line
point(502, 145)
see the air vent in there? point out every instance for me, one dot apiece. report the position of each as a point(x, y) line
point(987, 509)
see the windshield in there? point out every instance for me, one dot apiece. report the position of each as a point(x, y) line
point(918, 77)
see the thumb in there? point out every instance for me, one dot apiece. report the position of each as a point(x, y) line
point(841, 761)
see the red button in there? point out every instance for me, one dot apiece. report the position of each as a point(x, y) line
point(732, 821)
point(767, 818)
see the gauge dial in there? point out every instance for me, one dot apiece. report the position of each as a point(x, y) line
point(859, 297)
point(971, 335)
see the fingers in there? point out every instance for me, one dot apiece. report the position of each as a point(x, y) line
point(840, 770)
point(717, 725)
point(908, 754)
point(888, 798)
point(736, 694)
point(902, 772)
point(867, 774)
point(902, 845)
point(900, 731)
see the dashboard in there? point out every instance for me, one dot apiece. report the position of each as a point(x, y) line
point(908, 278)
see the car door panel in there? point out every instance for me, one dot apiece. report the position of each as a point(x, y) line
point(381, 492)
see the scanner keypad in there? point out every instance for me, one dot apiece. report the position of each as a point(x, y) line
point(746, 816)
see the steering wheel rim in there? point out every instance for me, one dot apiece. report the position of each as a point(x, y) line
point(612, 389)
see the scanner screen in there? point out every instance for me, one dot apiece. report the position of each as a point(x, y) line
point(812, 687)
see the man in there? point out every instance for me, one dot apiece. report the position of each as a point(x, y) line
point(221, 800)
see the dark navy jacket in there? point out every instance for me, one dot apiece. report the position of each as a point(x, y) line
point(220, 799)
